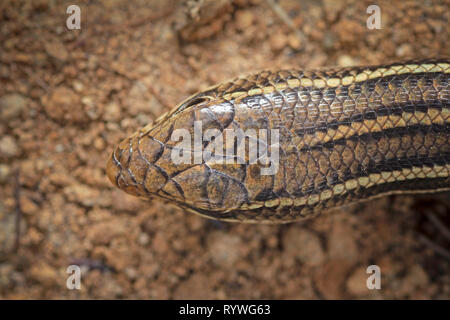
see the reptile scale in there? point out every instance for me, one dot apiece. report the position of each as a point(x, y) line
point(344, 135)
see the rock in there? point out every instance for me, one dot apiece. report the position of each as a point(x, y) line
point(91, 108)
point(30, 174)
point(122, 201)
point(78, 86)
point(303, 245)
point(404, 50)
point(415, 278)
point(131, 273)
point(5, 172)
point(143, 239)
point(103, 232)
point(105, 285)
point(196, 287)
point(345, 61)
point(7, 231)
point(9, 147)
point(10, 276)
point(11, 106)
point(82, 194)
point(244, 19)
point(144, 68)
point(99, 144)
point(357, 283)
point(294, 41)
point(341, 242)
point(28, 206)
point(112, 112)
point(278, 42)
point(329, 40)
point(56, 50)
point(64, 105)
point(117, 255)
point(223, 248)
point(44, 274)
point(150, 269)
point(6, 270)
point(330, 279)
point(160, 244)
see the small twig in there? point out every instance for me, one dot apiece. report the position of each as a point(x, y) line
point(439, 225)
point(435, 247)
point(286, 19)
point(41, 83)
point(92, 264)
point(18, 210)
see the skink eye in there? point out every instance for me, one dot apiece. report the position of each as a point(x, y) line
point(193, 101)
point(188, 103)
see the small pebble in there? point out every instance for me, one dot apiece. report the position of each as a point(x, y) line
point(56, 49)
point(345, 61)
point(9, 147)
point(5, 171)
point(278, 42)
point(357, 282)
point(78, 86)
point(294, 41)
point(224, 248)
point(304, 245)
point(244, 19)
point(11, 106)
point(341, 242)
point(404, 50)
point(112, 112)
point(143, 239)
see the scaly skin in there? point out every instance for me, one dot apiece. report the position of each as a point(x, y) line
point(345, 135)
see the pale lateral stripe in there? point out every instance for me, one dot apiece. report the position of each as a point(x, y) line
point(432, 116)
point(345, 81)
point(369, 181)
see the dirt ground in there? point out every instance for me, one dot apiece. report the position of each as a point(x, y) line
point(67, 97)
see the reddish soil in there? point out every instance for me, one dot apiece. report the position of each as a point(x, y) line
point(67, 97)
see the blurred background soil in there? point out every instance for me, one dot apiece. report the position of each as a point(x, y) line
point(67, 97)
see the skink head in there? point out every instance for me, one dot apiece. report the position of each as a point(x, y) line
point(161, 160)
